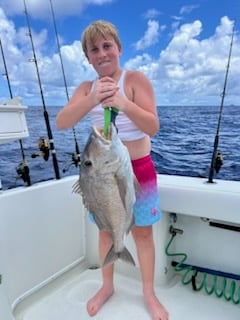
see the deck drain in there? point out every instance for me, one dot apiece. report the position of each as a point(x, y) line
point(94, 267)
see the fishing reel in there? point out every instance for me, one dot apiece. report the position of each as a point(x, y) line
point(75, 161)
point(218, 162)
point(23, 172)
point(44, 149)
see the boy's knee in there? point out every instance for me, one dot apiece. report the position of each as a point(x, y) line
point(142, 233)
point(105, 236)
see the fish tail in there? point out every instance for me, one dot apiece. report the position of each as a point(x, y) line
point(124, 255)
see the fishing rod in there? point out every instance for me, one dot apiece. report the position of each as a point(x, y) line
point(45, 113)
point(217, 160)
point(23, 168)
point(76, 155)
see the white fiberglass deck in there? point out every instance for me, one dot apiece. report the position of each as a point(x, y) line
point(66, 300)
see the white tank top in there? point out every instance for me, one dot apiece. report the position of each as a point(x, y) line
point(127, 130)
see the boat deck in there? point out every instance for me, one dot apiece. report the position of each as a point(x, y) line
point(66, 298)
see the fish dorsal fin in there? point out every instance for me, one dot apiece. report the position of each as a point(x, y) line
point(76, 188)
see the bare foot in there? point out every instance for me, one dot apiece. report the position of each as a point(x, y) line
point(156, 309)
point(97, 301)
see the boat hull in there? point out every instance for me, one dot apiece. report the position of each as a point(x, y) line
point(46, 238)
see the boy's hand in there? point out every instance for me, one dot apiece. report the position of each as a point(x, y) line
point(104, 88)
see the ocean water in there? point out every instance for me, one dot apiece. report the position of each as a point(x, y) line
point(183, 146)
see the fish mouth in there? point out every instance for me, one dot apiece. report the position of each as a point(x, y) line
point(100, 134)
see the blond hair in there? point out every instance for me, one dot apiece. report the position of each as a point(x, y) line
point(99, 28)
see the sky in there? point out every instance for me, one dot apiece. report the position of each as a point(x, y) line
point(181, 46)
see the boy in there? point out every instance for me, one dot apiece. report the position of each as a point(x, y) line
point(132, 94)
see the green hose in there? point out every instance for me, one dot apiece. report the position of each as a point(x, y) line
point(228, 292)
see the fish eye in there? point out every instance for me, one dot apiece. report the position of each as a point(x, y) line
point(88, 163)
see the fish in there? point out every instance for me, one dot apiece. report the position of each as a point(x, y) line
point(108, 186)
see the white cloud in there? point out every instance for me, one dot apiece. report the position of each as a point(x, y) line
point(193, 70)
point(40, 9)
point(98, 2)
point(189, 69)
point(196, 68)
point(151, 14)
point(150, 37)
point(188, 9)
point(22, 73)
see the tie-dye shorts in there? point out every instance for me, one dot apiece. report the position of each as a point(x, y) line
point(147, 206)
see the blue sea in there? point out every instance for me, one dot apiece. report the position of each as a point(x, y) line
point(183, 146)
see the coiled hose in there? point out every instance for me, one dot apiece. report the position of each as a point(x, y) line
point(228, 292)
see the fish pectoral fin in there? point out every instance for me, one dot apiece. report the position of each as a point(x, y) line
point(124, 255)
point(122, 187)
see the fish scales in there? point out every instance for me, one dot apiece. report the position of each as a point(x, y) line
point(107, 185)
